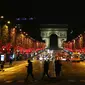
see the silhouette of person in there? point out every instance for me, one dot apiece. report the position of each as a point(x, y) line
point(30, 70)
point(58, 67)
point(46, 68)
point(2, 66)
point(10, 62)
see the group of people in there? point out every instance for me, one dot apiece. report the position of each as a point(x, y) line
point(58, 66)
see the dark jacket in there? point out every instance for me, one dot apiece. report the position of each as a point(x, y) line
point(58, 65)
point(30, 67)
point(46, 66)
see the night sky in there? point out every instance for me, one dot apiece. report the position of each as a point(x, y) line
point(42, 14)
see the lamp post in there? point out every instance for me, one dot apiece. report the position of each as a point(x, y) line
point(1, 18)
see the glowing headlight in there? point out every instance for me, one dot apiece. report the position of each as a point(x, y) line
point(48, 51)
point(35, 53)
point(48, 58)
point(40, 58)
point(63, 59)
point(44, 58)
point(52, 51)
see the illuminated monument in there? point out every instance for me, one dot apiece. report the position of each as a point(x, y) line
point(60, 30)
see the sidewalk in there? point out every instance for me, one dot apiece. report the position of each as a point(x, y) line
point(13, 63)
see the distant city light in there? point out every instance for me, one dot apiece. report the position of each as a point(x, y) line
point(17, 18)
point(31, 18)
point(18, 25)
point(20, 29)
point(2, 17)
point(15, 26)
point(8, 22)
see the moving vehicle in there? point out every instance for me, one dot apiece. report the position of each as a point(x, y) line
point(75, 57)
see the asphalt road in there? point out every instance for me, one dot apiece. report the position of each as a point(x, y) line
point(72, 73)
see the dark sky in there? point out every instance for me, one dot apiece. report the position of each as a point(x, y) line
point(45, 13)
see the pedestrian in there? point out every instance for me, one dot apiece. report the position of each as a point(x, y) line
point(58, 67)
point(10, 61)
point(2, 66)
point(29, 70)
point(46, 68)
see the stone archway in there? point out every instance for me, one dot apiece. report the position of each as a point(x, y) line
point(53, 41)
point(59, 29)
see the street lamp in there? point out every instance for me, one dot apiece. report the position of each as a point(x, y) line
point(8, 22)
point(1, 17)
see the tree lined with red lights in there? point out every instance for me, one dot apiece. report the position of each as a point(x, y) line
point(77, 44)
point(18, 40)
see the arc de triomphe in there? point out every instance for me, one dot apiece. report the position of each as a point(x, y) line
point(59, 29)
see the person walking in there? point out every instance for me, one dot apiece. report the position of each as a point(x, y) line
point(58, 67)
point(46, 68)
point(29, 70)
